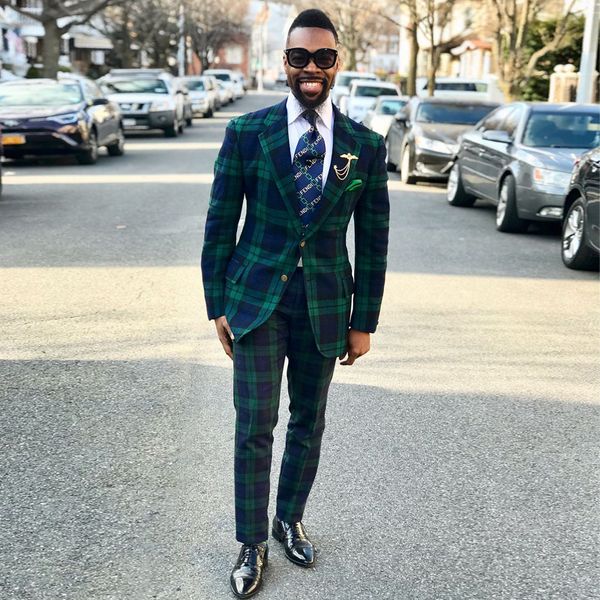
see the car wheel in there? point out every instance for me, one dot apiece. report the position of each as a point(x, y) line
point(405, 167)
point(117, 148)
point(90, 156)
point(576, 254)
point(455, 192)
point(172, 131)
point(507, 217)
point(391, 166)
point(189, 121)
point(181, 126)
point(209, 113)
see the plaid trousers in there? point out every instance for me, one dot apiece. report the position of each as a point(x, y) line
point(258, 360)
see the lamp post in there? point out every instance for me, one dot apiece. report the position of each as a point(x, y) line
point(585, 87)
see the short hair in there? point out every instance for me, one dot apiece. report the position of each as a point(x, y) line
point(313, 17)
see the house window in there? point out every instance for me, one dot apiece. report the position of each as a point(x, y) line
point(468, 16)
point(233, 55)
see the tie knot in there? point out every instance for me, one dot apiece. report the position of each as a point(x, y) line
point(310, 116)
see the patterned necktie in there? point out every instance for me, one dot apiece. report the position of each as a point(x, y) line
point(308, 168)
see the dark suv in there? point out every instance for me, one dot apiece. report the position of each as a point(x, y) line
point(65, 116)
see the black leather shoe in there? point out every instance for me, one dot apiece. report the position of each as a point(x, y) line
point(298, 548)
point(247, 575)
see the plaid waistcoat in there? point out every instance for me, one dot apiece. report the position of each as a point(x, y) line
point(245, 280)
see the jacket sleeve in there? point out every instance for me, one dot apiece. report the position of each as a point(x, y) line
point(371, 227)
point(225, 206)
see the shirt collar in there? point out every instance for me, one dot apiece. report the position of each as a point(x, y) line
point(324, 111)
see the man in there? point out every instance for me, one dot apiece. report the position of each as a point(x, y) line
point(285, 288)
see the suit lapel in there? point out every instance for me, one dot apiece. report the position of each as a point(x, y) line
point(274, 141)
point(343, 143)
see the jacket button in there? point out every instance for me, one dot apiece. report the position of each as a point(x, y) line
point(302, 244)
point(284, 278)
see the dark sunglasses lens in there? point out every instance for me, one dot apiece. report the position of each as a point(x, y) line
point(298, 57)
point(325, 58)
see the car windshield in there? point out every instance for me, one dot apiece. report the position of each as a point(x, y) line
point(222, 76)
point(346, 79)
point(195, 84)
point(460, 86)
point(51, 94)
point(372, 91)
point(563, 129)
point(135, 86)
point(391, 107)
point(458, 114)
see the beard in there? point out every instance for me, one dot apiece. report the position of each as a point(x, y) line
point(294, 85)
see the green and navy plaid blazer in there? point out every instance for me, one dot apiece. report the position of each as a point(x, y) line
point(245, 280)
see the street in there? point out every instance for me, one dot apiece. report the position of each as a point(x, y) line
point(460, 458)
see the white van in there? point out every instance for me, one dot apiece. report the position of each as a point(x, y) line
point(463, 87)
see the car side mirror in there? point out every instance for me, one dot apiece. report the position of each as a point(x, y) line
point(401, 117)
point(497, 135)
point(99, 102)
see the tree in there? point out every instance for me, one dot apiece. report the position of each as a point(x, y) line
point(78, 12)
point(537, 87)
point(211, 24)
point(145, 28)
point(515, 61)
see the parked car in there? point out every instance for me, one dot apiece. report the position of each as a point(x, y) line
point(380, 117)
point(580, 247)
point(225, 92)
point(463, 88)
point(68, 116)
point(362, 95)
point(342, 83)
point(204, 95)
point(238, 85)
point(520, 158)
point(227, 77)
point(423, 137)
point(148, 99)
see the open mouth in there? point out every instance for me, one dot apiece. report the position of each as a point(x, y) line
point(311, 86)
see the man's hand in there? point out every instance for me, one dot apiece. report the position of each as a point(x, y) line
point(359, 343)
point(225, 336)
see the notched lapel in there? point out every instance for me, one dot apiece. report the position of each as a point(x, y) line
point(343, 144)
point(276, 146)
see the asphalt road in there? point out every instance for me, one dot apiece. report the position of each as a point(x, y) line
point(460, 458)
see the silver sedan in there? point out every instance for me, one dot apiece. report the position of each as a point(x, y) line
point(520, 158)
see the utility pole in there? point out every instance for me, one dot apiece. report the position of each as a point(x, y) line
point(181, 47)
point(589, 53)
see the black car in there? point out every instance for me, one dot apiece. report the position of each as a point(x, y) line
point(423, 137)
point(581, 222)
point(67, 116)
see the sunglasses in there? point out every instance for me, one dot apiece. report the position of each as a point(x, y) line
point(298, 58)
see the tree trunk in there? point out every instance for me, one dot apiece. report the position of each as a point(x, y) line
point(51, 48)
point(431, 69)
point(126, 52)
point(411, 81)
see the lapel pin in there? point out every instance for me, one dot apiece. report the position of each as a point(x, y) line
point(343, 172)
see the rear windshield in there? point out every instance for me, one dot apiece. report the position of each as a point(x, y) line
point(135, 86)
point(458, 114)
point(391, 107)
point(373, 92)
point(195, 84)
point(222, 76)
point(51, 94)
point(563, 130)
point(346, 79)
point(459, 86)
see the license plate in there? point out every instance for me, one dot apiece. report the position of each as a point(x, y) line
point(8, 140)
point(129, 123)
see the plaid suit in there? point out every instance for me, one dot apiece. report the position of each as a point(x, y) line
point(250, 283)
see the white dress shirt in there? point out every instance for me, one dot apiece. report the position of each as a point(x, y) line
point(297, 125)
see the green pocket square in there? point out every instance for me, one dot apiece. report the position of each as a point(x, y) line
point(355, 183)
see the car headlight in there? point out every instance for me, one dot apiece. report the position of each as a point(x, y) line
point(65, 119)
point(160, 105)
point(435, 145)
point(558, 181)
